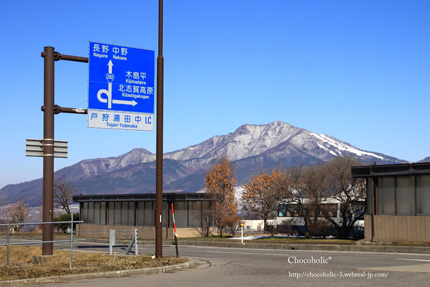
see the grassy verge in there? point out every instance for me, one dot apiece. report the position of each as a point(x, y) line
point(83, 262)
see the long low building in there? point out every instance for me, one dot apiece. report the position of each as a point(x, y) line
point(398, 202)
point(123, 212)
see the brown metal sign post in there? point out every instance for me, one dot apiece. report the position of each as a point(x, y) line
point(49, 109)
point(159, 148)
point(48, 151)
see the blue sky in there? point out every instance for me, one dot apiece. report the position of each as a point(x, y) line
point(355, 70)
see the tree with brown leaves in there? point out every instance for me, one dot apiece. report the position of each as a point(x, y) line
point(260, 199)
point(220, 182)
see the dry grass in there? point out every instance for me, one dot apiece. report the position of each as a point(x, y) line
point(83, 262)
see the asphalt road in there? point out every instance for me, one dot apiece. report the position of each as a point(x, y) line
point(254, 267)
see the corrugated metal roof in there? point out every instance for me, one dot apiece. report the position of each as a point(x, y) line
point(141, 197)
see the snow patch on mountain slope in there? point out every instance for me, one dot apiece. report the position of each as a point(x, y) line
point(247, 141)
point(340, 146)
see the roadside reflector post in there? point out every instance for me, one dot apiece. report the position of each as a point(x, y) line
point(136, 245)
point(174, 231)
point(241, 233)
point(111, 240)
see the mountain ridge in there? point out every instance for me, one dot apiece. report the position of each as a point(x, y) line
point(252, 148)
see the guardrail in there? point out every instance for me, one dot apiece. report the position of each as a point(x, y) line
point(8, 243)
point(120, 235)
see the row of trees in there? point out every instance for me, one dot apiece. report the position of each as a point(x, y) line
point(305, 186)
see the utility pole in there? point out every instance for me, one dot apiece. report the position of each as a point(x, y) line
point(48, 151)
point(159, 148)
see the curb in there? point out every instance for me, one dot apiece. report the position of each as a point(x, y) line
point(85, 276)
point(316, 247)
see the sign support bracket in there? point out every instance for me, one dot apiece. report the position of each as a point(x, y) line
point(50, 109)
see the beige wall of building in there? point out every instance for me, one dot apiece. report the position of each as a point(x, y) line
point(95, 230)
point(398, 228)
point(192, 232)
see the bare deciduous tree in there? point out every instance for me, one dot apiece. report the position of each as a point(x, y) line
point(63, 194)
point(307, 188)
point(314, 185)
point(350, 192)
point(17, 213)
point(310, 186)
point(208, 215)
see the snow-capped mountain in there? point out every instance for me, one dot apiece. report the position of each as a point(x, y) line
point(278, 137)
point(251, 148)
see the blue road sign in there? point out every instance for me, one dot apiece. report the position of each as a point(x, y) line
point(121, 87)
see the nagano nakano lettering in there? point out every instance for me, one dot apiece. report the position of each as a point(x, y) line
point(105, 49)
point(119, 58)
point(101, 52)
point(100, 55)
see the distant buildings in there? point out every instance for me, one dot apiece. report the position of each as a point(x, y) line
point(101, 213)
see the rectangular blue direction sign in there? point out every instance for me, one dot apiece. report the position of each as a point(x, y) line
point(121, 87)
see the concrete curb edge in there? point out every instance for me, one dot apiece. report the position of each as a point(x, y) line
point(321, 247)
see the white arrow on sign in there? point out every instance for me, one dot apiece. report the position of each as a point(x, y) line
point(110, 64)
point(121, 102)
